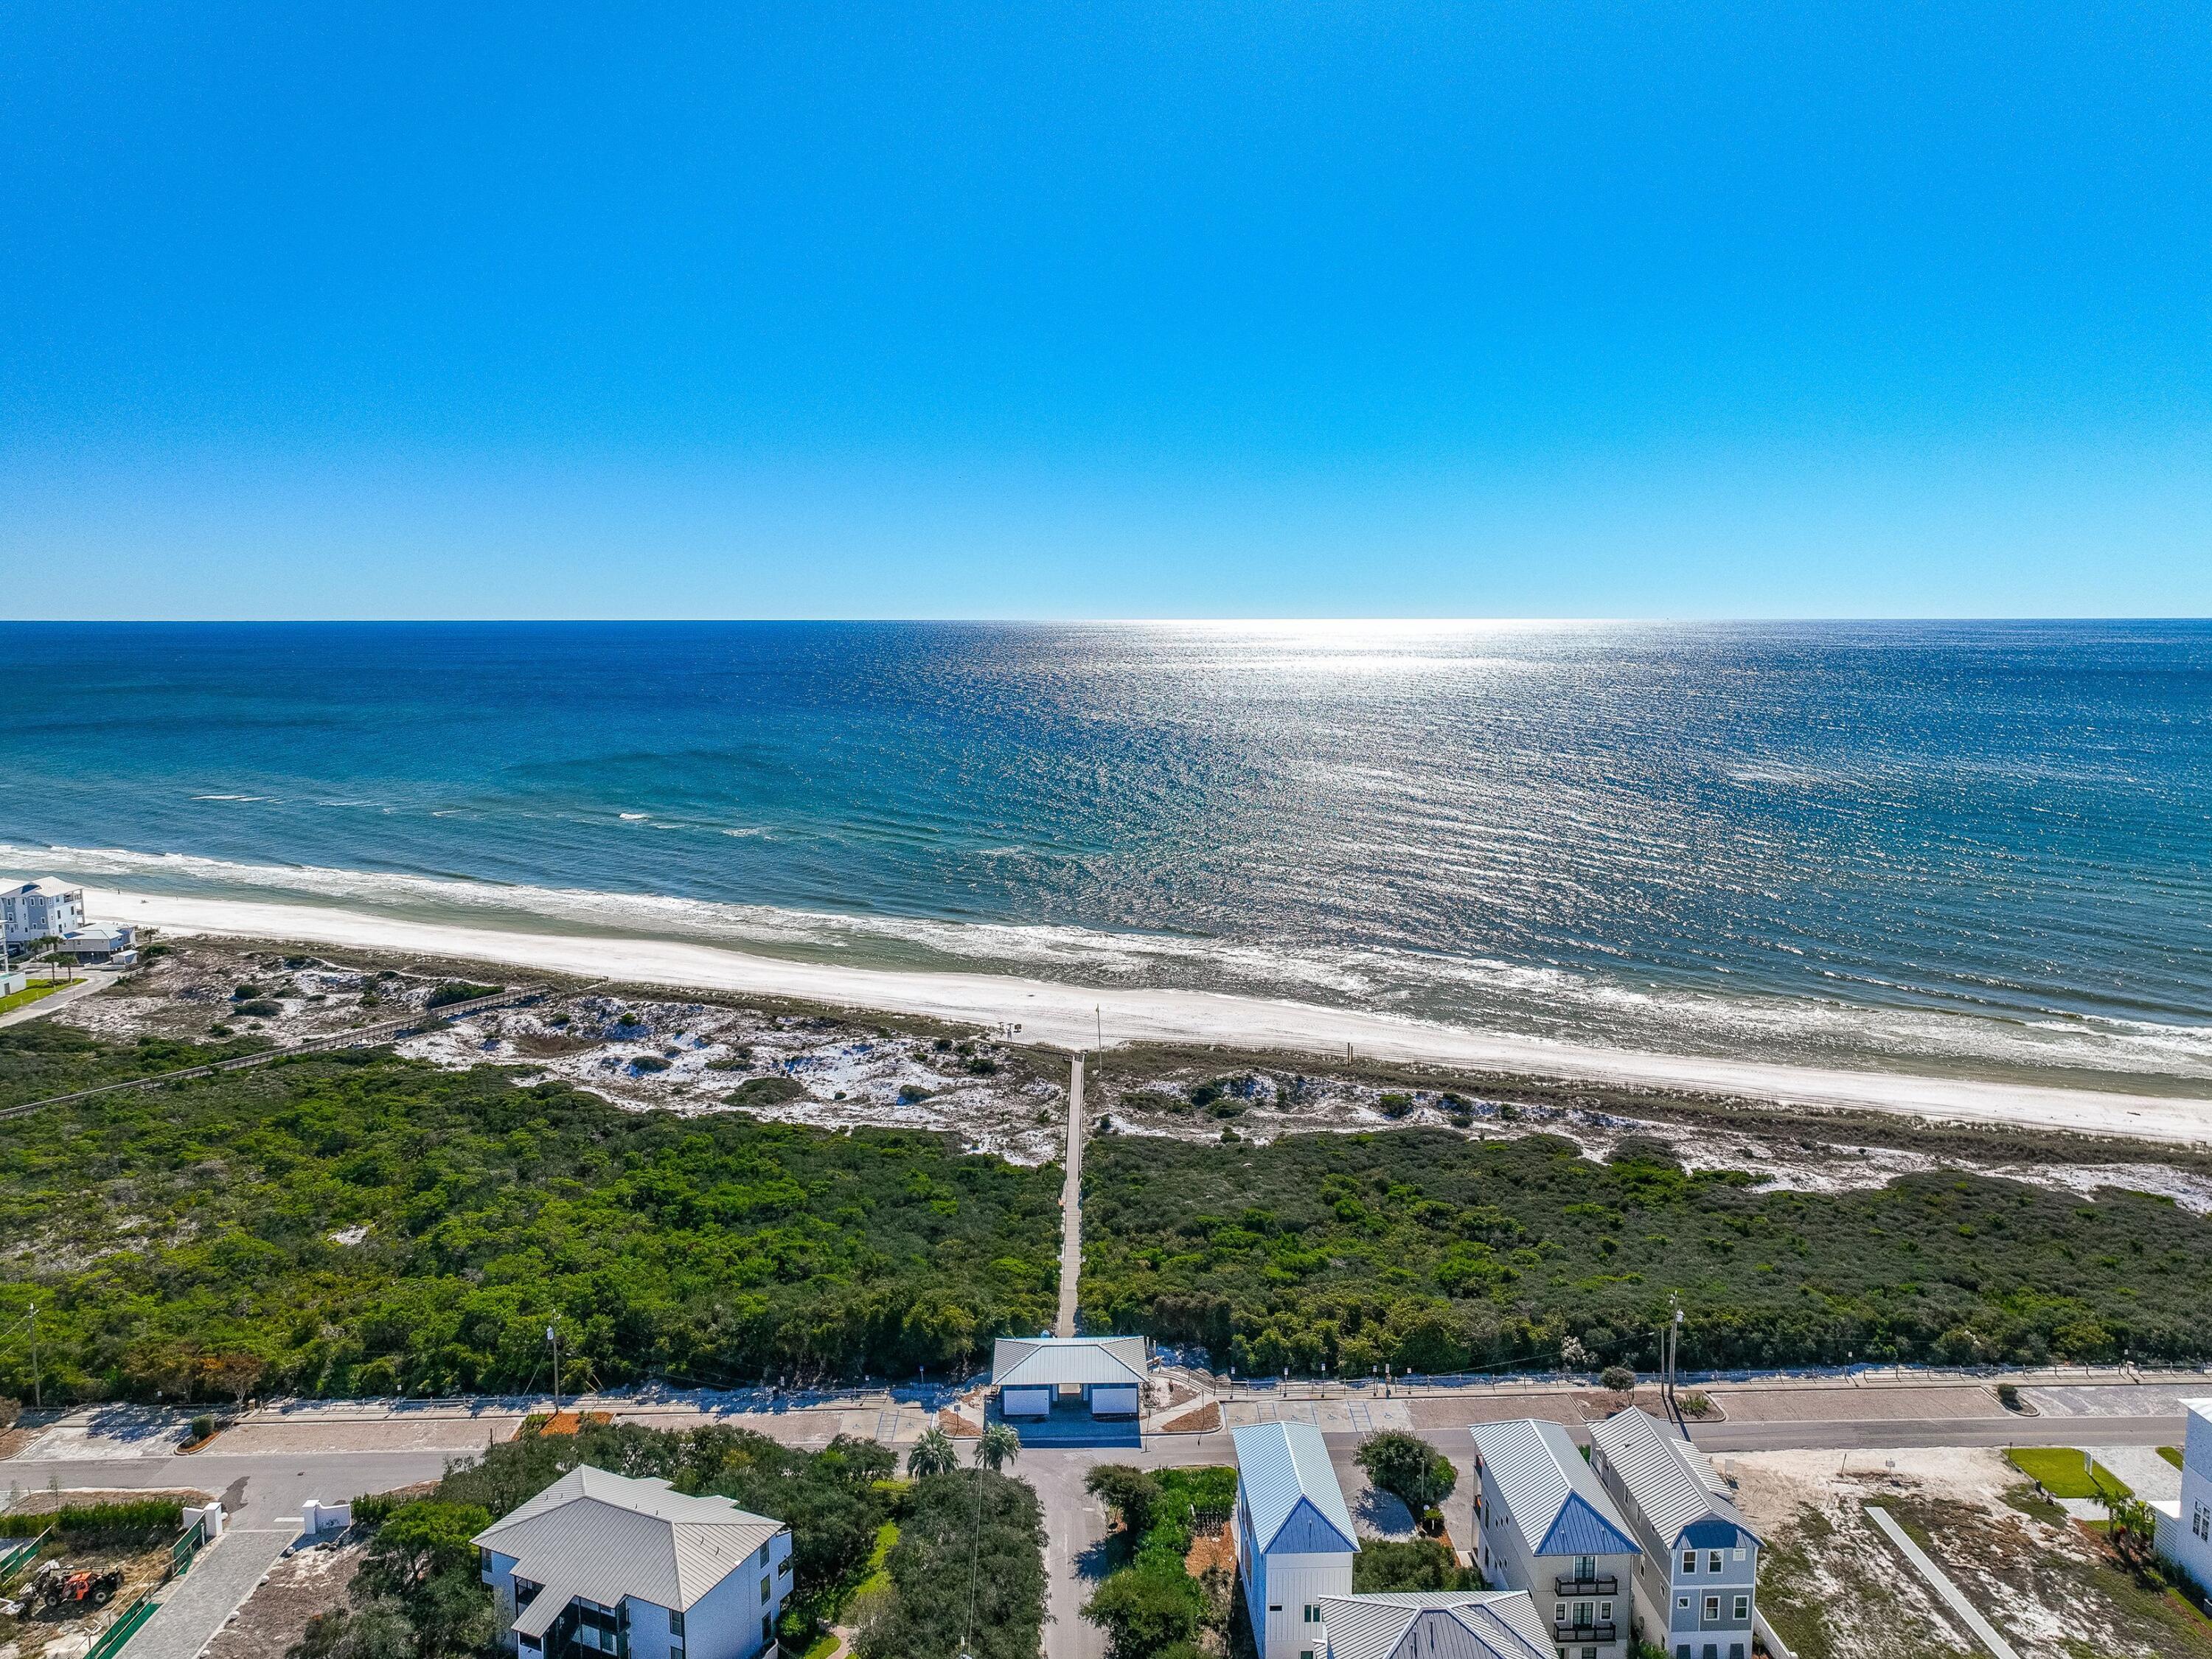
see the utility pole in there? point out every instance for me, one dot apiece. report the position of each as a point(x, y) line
point(553, 1335)
point(38, 1395)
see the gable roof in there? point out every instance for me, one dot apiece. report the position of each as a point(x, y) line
point(1283, 1468)
point(605, 1536)
point(1552, 1495)
point(1027, 1362)
point(1464, 1625)
point(1668, 1478)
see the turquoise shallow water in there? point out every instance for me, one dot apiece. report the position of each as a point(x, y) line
point(1979, 848)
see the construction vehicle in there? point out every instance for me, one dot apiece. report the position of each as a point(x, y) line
point(56, 1589)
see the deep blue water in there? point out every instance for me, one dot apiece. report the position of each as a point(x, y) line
point(1981, 846)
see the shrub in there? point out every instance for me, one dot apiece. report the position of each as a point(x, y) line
point(560, 1022)
point(1409, 1467)
point(1131, 1493)
point(219, 1030)
point(205, 1426)
point(261, 1008)
point(96, 1523)
point(765, 1091)
point(982, 1066)
point(1694, 1404)
point(1147, 1611)
point(1619, 1378)
point(246, 992)
point(1397, 1105)
point(648, 1063)
point(455, 990)
point(2009, 1396)
point(1386, 1565)
point(912, 1094)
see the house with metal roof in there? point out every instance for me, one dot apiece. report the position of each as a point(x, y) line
point(1031, 1373)
point(1455, 1625)
point(2184, 1521)
point(1696, 1583)
point(601, 1564)
point(1295, 1539)
point(1547, 1525)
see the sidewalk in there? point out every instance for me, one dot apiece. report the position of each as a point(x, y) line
point(94, 980)
point(193, 1607)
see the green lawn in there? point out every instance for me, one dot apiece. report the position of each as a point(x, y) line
point(31, 993)
point(2060, 1470)
point(2172, 1455)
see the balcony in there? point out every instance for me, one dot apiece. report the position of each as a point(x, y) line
point(1563, 1630)
point(1566, 1585)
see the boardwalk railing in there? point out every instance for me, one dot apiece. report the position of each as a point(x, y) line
point(360, 1036)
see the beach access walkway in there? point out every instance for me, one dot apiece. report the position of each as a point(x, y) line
point(1070, 1205)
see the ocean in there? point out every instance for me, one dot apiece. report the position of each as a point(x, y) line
point(1979, 849)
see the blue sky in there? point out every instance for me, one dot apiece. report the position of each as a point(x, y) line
point(1044, 310)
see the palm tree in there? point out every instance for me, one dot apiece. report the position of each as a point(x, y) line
point(1001, 1446)
point(931, 1454)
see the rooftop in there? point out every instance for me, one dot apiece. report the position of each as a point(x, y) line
point(46, 886)
point(1552, 1495)
point(1281, 1465)
point(605, 1536)
point(1669, 1479)
point(1071, 1361)
point(1474, 1623)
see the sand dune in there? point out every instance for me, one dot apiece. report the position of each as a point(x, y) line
point(1068, 1015)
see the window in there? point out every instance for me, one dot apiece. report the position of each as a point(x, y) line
point(1713, 1611)
point(1713, 1562)
point(768, 1586)
point(1681, 1651)
point(1559, 1613)
point(1735, 1651)
point(1312, 1613)
point(768, 1627)
point(1681, 1604)
point(1585, 1566)
point(674, 1622)
point(1739, 1555)
point(1605, 1613)
point(1689, 1560)
point(1743, 1609)
point(784, 1566)
point(1712, 1650)
point(1274, 1606)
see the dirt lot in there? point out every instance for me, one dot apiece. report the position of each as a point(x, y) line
point(60, 1634)
point(297, 1588)
point(1836, 1589)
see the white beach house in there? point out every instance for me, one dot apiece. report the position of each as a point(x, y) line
point(1450, 1625)
point(1294, 1537)
point(45, 909)
point(2185, 1524)
point(1547, 1526)
point(1698, 1576)
point(1107, 1371)
point(602, 1563)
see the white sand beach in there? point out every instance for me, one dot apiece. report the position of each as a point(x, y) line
point(1070, 1015)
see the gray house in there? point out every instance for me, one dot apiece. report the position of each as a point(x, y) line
point(1546, 1526)
point(1453, 1624)
point(1696, 1584)
point(601, 1564)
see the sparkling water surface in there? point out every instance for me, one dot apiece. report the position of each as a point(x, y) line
point(1963, 847)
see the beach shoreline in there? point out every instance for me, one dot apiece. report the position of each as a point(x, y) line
point(1075, 1017)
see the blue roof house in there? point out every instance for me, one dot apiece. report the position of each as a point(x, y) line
point(1695, 1585)
point(1547, 1526)
point(1295, 1539)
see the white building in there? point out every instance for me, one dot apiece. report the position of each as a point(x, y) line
point(1699, 1571)
point(2185, 1524)
point(1031, 1373)
point(1453, 1624)
point(48, 908)
point(12, 980)
point(1295, 1539)
point(1547, 1527)
point(601, 1564)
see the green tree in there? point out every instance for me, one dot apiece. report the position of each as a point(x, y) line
point(1407, 1467)
point(931, 1454)
point(1001, 1446)
point(1130, 1492)
point(1146, 1610)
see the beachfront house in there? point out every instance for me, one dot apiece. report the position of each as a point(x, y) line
point(600, 1564)
point(1294, 1537)
point(1547, 1525)
point(2185, 1523)
point(45, 908)
point(1106, 1372)
point(1452, 1624)
point(1699, 1574)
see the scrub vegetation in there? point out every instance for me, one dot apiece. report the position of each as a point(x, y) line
point(354, 1223)
point(1432, 1253)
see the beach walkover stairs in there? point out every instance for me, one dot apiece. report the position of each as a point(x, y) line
point(361, 1037)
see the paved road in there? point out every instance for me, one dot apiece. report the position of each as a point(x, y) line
point(1070, 1205)
point(94, 980)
